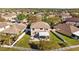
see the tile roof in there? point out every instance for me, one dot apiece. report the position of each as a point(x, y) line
point(66, 29)
point(72, 19)
point(3, 24)
point(15, 29)
point(40, 25)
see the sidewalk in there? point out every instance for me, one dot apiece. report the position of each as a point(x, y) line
point(66, 48)
point(18, 39)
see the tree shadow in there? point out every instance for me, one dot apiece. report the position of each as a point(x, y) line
point(33, 46)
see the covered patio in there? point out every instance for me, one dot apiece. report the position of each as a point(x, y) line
point(43, 35)
point(75, 35)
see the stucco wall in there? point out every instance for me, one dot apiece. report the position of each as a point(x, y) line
point(38, 30)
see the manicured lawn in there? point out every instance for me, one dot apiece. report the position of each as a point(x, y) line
point(55, 38)
point(8, 49)
point(71, 41)
point(54, 41)
point(23, 42)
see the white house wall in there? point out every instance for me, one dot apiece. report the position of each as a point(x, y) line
point(38, 30)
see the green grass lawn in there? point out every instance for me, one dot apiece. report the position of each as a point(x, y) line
point(54, 41)
point(8, 49)
point(23, 42)
point(71, 41)
point(55, 38)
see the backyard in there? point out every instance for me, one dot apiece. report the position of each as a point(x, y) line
point(55, 41)
point(24, 42)
point(69, 41)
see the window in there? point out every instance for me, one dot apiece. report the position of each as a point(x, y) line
point(46, 29)
point(41, 28)
point(33, 29)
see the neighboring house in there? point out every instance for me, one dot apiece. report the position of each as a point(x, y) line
point(40, 30)
point(68, 30)
point(15, 29)
point(65, 15)
point(8, 16)
point(14, 20)
point(72, 21)
point(3, 26)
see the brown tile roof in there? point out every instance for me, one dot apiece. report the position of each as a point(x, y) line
point(11, 30)
point(72, 19)
point(40, 25)
point(3, 24)
point(66, 29)
point(20, 26)
point(14, 29)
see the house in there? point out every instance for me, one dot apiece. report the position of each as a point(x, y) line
point(15, 29)
point(65, 15)
point(40, 30)
point(72, 21)
point(8, 16)
point(68, 30)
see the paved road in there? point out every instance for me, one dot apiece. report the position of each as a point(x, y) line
point(66, 48)
point(18, 39)
point(19, 48)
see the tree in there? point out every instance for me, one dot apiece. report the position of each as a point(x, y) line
point(21, 16)
point(52, 20)
point(33, 18)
